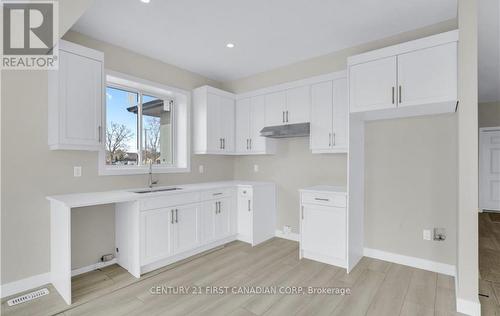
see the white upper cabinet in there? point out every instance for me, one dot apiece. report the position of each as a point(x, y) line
point(409, 79)
point(428, 75)
point(76, 98)
point(275, 108)
point(214, 121)
point(373, 85)
point(250, 120)
point(298, 105)
point(288, 107)
point(329, 116)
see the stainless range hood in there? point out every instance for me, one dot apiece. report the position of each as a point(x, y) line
point(284, 131)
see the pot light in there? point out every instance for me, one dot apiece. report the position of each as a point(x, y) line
point(230, 45)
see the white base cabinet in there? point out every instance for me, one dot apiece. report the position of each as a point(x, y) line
point(323, 225)
point(256, 213)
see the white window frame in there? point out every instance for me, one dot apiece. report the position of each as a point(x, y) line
point(181, 126)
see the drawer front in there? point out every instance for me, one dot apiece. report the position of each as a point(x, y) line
point(171, 200)
point(323, 198)
point(216, 194)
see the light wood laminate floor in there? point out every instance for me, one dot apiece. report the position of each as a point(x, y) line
point(377, 287)
point(489, 264)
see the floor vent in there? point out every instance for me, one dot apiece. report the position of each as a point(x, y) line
point(28, 297)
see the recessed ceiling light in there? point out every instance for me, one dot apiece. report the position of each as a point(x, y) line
point(145, 1)
point(230, 45)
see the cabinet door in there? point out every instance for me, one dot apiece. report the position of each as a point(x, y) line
point(226, 123)
point(80, 98)
point(321, 115)
point(155, 240)
point(243, 120)
point(185, 228)
point(298, 105)
point(340, 113)
point(207, 221)
point(275, 108)
point(428, 75)
point(257, 123)
point(245, 214)
point(222, 225)
point(324, 230)
point(214, 134)
point(372, 85)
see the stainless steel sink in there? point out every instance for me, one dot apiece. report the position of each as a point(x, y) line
point(156, 190)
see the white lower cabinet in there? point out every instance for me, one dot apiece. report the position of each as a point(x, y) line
point(155, 228)
point(323, 226)
point(185, 227)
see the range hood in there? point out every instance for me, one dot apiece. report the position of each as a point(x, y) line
point(284, 131)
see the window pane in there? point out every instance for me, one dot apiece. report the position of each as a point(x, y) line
point(156, 131)
point(121, 127)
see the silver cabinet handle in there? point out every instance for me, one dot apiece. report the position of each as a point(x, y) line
point(171, 216)
point(220, 143)
point(393, 95)
point(250, 144)
point(334, 142)
point(329, 139)
point(319, 199)
point(247, 143)
point(176, 215)
point(218, 193)
point(249, 208)
point(223, 143)
point(283, 116)
point(287, 116)
point(302, 211)
point(216, 207)
point(400, 94)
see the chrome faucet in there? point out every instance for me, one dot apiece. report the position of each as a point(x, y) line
point(151, 182)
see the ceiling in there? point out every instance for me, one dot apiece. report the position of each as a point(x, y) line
point(192, 34)
point(489, 50)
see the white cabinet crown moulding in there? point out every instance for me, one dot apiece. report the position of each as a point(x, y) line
point(409, 79)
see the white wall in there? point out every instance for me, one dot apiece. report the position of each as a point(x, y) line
point(489, 114)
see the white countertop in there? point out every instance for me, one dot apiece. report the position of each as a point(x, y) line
point(126, 195)
point(326, 188)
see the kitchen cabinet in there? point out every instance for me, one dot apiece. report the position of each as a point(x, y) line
point(428, 75)
point(329, 116)
point(155, 230)
point(185, 227)
point(214, 121)
point(256, 213)
point(222, 218)
point(408, 79)
point(323, 225)
point(373, 85)
point(250, 120)
point(290, 106)
point(76, 99)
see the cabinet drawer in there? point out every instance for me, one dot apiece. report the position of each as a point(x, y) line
point(171, 200)
point(326, 199)
point(216, 194)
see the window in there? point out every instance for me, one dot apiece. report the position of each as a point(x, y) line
point(142, 128)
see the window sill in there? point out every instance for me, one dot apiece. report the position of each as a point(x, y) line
point(119, 171)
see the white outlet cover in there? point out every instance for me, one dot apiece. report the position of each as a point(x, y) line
point(77, 171)
point(256, 168)
point(201, 169)
point(427, 234)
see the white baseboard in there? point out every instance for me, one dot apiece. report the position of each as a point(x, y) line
point(415, 262)
point(92, 267)
point(22, 285)
point(468, 307)
point(290, 236)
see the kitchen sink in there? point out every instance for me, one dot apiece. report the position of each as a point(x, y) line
point(156, 190)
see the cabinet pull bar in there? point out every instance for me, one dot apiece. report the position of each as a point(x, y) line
point(247, 143)
point(334, 140)
point(250, 144)
point(320, 199)
point(249, 209)
point(302, 211)
point(171, 216)
point(223, 143)
point(329, 139)
point(283, 120)
point(218, 193)
point(400, 94)
point(176, 215)
point(393, 95)
point(287, 116)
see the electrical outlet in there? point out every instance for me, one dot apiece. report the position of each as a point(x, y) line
point(287, 230)
point(77, 171)
point(256, 168)
point(201, 169)
point(427, 234)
